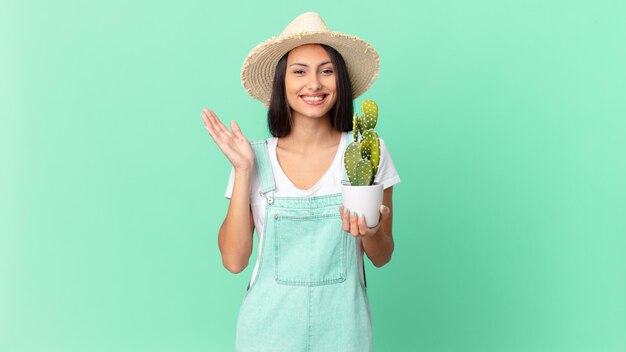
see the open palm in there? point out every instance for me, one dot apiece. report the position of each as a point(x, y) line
point(233, 144)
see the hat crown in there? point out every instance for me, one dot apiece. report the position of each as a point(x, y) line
point(306, 22)
point(258, 69)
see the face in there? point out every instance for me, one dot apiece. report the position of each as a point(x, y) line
point(310, 82)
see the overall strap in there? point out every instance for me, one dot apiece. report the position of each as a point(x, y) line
point(264, 168)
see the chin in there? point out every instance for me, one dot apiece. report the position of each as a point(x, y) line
point(314, 113)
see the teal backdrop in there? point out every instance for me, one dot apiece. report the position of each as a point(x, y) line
point(506, 121)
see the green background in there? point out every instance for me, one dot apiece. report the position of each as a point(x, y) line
point(506, 121)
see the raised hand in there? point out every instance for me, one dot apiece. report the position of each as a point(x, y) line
point(233, 144)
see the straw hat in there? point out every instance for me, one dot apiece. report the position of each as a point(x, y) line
point(257, 73)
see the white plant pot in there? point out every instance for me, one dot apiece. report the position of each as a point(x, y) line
point(364, 200)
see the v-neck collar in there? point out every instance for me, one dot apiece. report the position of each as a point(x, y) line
point(322, 179)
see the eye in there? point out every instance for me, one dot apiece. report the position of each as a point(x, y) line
point(328, 71)
point(298, 72)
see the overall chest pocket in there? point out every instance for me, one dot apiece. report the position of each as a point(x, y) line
point(310, 250)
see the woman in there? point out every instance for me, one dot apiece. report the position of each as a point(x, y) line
point(308, 289)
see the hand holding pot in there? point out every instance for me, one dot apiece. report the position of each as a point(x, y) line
point(356, 225)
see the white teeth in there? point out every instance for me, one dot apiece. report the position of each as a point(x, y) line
point(312, 99)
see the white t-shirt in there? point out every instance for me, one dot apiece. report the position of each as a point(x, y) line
point(329, 183)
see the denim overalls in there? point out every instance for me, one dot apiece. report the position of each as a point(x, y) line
point(308, 294)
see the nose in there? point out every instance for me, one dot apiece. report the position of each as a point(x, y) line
point(314, 83)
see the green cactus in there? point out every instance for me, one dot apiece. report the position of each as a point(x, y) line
point(362, 159)
point(351, 158)
point(361, 129)
point(355, 126)
point(363, 173)
point(372, 146)
point(370, 114)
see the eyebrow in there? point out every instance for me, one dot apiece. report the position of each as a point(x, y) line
point(305, 65)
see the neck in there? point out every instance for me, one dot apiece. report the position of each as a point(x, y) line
point(309, 134)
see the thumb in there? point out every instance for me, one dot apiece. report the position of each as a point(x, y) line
point(385, 211)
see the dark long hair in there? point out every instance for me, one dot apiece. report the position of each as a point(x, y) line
point(279, 113)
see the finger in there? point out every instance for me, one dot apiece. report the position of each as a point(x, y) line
point(210, 114)
point(209, 122)
point(363, 229)
point(206, 116)
point(354, 226)
point(236, 129)
point(219, 137)
point(209, 126)
point(345, 218)
point(223, 134)
point(217, 123)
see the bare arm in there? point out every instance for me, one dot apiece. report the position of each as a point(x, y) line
point(377, 241)
point(235, 234)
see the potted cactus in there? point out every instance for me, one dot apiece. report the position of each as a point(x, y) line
point(361, 159)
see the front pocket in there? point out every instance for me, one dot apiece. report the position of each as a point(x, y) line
point(310, 250)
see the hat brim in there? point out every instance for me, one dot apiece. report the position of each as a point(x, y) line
point(257, 73)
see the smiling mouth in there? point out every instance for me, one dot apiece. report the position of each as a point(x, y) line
point(314, 99)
